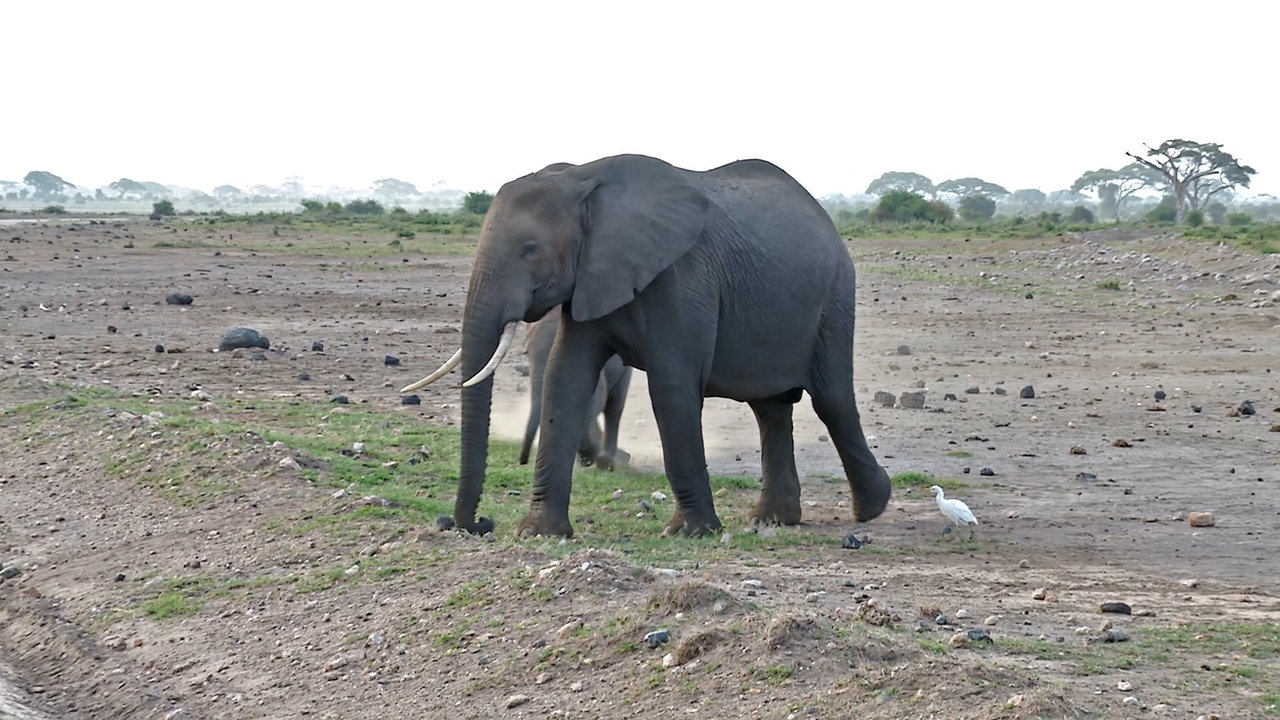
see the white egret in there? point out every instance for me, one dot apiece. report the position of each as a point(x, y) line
point(954, 510)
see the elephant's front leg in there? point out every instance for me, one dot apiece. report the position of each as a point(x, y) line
point(780, 497)
point(571, 379)
point(677, 407)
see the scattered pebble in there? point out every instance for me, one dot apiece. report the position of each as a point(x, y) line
point(911, 400)
point(517, 700)
point(979, 635)
point(340, 399)
point(1201, 519)
point(317, 347)
point(1118, 608)
point(988, 472)
point(410, 400)
point(390, 360)
point(886, 399)
point(1115, 635)
point(1124, 686)
point(1027, 393)
point(178, 299)
point(851, 542)
point(242, 337)
point(657, 637)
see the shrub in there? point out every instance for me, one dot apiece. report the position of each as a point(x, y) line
point(1164, 212)
point(164, 207)
point(477, 202)
point(1239, 219)
point(1195, 218)
point(364, 207)
point(976, 208)
point(903, 206)
point(53, 210)
point(1081, 214)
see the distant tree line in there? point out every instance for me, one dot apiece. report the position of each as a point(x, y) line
point(1195, 181)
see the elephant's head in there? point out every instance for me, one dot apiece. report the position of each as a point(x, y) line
point(591, 236)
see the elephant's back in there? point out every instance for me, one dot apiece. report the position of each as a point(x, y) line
point(763, 199)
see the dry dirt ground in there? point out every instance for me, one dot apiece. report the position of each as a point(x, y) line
point(1093, 479)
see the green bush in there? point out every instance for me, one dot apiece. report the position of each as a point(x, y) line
point(977, 208)
point(1239, 219)
point(1195, 218)
point(477, 202)
point(364, 207)
point(53, 210)
point(1081, 214)
point(164, 207)
point(1164, 212)
point(902, 206)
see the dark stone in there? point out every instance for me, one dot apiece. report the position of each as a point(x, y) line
point(942, 620)
point(1196, 408)
point(1118, 608)
point(317, 347)
point(987, 472)
point(243, 337)
point(950, 396)
point(887, 399)
point(1001, 391)
point(410, 400)
point(1246, 408)
point(1028, 296)
point(1027, 393)
point(1086, 477)
point(340, 399)
point(178, 299)
point(444, 522)
point(972, 391)
point(119, 577)
point(979, 635)
point(483, 526)
point(522, 370)
point(1160, 395)
point(656, 638)
point(391, 360)
point(851, 542)
point(912, 400)
point(304, 376)
point(159, 348)
point(966, 470)
point(11, 571)
point(904, 349)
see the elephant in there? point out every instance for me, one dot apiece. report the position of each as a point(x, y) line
point(596, 447)
point(730, 282)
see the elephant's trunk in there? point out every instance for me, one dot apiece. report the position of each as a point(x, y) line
point(483, 323)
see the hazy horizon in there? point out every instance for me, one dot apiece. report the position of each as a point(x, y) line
point(244, 94)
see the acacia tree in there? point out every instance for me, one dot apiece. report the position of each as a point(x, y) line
point(1115, 186)
point(47, 185)
point(970, 186)
point(903, 181)
point(1194, 172)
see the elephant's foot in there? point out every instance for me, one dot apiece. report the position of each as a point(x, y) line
point(692, 523)
point(773, 510)
point(620, 460)
point(871, 497)
point(541, 520)
point(475, 526)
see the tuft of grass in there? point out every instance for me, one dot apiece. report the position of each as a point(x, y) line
point(1108, 285)
point(170, 604)
point(924, 480)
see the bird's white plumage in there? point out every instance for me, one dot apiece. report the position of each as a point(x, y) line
point(954, 510)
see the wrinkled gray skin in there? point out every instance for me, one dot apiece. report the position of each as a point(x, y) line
point(599, 448)
point(729, 283)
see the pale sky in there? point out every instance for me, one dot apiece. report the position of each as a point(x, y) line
point(473, 93)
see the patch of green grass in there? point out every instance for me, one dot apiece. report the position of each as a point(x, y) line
point(1108, 285)
point(924, 480)
point(170, 604)
point(959, 454)
point(772, 675)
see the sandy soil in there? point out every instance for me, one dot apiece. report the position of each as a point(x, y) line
point(1091, 483)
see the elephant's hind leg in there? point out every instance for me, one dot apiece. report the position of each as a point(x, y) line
point(780, 497)
point(677, 408)
point(833, 401)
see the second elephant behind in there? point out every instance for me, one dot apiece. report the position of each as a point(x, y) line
point(596, 446)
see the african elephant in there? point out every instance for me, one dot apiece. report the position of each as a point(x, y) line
point(729, 282)
point(595, 447)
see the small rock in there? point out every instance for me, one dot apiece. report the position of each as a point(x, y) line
point(987, 472)
point(912, 400)
point(886, 399)
point(317, 347)
point(904, 349)
point(119, 577)
point(1201, 519)
point(942, 620)
point(390, 360)
point(1115, 635)
point(1196, 408)
point(752, 584)
point(1027, 393)
point(340, 399)
point(542, 679)
point(1077, 450)
point(335, 662)
point(1124, 686)
point(1117, 608)
point(410, 400)
point(304, 376)
point(243, 337)
point(1160, 395)
point(1040, 593)
point(178, 299)
point(1001, 391)
point(961, 614)
point(444, 522)
point(1246, 408)
point(517, 700)
point(1024, 564)
point(10, 572)
point(669, 661)
point(972, 390)
point(1086, 477)
point(1189, 583)
point(658, 495)
point(656, 638)
point(960, 639)
point(1121, 443)
point(979, 635)
point(577, 686)
point(1131, 700)
point(159, 348)
point(991, 620)
point(851, 542)
point(950, 397)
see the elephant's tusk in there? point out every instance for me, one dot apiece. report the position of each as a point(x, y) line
point(504, 343)
point(448, 366)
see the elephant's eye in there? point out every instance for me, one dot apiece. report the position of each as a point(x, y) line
point(529, 249)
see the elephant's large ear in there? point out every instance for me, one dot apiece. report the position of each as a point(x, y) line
point(639, 216)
